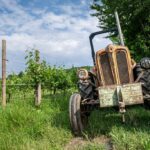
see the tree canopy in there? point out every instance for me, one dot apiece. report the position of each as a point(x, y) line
point(134, 19)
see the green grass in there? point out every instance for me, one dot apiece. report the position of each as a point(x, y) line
point(92, 146)
point(133, 135)
point(22, 126)
point(25, 127)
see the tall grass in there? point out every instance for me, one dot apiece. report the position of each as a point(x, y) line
point(22, 126)
point(133, 135)
point(25, 127)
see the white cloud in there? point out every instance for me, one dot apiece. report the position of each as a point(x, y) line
point(61, 38)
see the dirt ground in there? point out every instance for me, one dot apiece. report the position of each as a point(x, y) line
point(79, 142)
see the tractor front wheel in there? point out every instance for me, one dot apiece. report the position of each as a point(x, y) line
point(78, 118)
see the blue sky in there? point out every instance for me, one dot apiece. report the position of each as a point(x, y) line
point(58, 28)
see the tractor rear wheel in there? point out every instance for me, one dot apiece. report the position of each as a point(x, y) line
point(144, 68)
point(78, 118)
point(145, 79)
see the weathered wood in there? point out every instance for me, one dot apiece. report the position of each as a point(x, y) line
point(38, 94)
point(38, 85)
point(3, 73)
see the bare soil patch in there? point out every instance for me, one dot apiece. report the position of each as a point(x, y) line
point(78, 142)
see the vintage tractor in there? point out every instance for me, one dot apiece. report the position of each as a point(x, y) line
point(115, 81)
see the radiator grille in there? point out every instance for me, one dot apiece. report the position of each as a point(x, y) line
point(106, 69)
point(122, 67)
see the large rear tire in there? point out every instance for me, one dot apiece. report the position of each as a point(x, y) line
point(77, 118)
point(144, 68)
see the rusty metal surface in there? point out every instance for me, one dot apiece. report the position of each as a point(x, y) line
point(119, 65)
point(108, 96)
point(106, 67)
point(91, 102)
point(122, 67)
point(130, 94)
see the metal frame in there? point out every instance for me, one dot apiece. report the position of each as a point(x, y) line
point(93, 35)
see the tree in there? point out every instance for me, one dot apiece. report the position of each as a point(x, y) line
point(135, 22)
point(35, 69)
point(36, 72)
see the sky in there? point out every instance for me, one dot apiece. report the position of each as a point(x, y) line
point(59, 29)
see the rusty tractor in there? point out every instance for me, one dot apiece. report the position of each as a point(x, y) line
point(116, 80)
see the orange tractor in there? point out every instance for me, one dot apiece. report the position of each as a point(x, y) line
point(116, 80)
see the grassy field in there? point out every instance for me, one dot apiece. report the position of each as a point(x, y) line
point(25, 127)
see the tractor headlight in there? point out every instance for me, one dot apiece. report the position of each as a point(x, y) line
point(83, 74)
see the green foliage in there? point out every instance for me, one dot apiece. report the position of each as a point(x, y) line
point(135, 22)
point(25, 127)
point(11, 80)
point(17, 84)
point(62, 79)
point(72, 72)
point(35, 69)
point(0, 87)
point(53, 78)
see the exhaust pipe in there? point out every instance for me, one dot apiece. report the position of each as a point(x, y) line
point(119, 28)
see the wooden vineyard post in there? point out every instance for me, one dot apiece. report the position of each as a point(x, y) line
point(3, 73)
point(38, 84)
point(38, 94)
